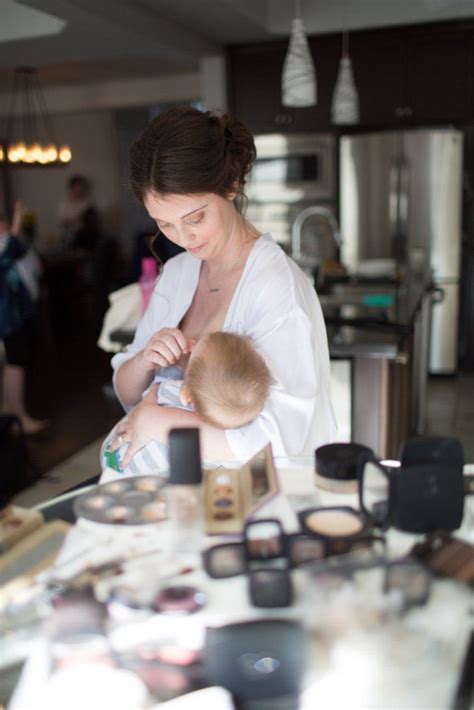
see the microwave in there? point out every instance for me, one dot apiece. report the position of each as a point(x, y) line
point(293, 167)
point(292, 171)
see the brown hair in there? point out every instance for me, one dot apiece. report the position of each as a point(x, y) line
point(184, 151)
point(228, 382)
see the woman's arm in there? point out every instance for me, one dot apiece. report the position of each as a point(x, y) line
point(131, 379)
point(149, 422)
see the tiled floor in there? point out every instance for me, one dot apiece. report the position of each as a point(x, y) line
point(450, 411)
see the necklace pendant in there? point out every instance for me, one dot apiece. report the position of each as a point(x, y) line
point(214, 290)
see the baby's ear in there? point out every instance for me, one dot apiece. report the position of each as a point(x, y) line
point(185, 396)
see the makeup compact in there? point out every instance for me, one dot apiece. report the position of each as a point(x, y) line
point(338, 526)
point(129, 501)
point(227, 560)
point(233, 495)
point(426, 493)
point(336, 466)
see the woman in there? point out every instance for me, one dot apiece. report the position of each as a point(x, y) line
point(189, 168)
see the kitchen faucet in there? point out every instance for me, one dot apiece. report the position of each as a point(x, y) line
point(298, 227)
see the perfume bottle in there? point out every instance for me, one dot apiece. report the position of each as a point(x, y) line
point(147, 280)
point(185, 491)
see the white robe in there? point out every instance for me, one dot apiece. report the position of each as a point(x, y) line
point(276, 305)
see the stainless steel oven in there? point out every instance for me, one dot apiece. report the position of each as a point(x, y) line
point(292, 172)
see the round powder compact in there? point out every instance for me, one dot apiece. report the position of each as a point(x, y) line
point(334, 522)
point(336, 466)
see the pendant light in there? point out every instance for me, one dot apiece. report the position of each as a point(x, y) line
point(29, 138)
point(345, 99)
point(298, 81)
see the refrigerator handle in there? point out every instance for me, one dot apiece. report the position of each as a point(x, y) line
point(393, 198)
point(403, 203)
point(438, 294)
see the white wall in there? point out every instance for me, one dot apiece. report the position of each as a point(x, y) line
point(93, 141)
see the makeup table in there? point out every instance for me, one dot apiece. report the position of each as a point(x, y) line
point(409, 661)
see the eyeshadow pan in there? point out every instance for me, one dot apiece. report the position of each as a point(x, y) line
point(334, 523)
point(222, 515)
point(222, 503)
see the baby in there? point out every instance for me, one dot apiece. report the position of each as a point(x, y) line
point(226, 384)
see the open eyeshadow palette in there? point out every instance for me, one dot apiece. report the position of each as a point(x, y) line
point(234, 494)
point(130, 501)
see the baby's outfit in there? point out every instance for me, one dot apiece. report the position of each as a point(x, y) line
point(153, 456)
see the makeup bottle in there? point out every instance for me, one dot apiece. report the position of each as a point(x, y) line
point(185, 491)
point(147, 280)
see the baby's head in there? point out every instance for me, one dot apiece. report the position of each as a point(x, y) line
point(226, 380)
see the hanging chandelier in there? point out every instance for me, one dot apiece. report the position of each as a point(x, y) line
point(298, 82)
point(29, 138)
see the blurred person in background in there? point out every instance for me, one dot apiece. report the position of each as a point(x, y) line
point(20, 271)
point(71, 210)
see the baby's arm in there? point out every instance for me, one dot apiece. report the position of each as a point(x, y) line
point(169, 394)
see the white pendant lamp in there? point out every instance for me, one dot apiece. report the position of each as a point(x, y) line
point(298, 81)
point(345, 99)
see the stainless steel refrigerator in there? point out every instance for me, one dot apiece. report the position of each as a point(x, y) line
point(400, 203)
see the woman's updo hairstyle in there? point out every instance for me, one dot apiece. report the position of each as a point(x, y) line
point(184, 151)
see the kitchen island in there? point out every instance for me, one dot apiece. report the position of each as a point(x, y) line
point(382, 327)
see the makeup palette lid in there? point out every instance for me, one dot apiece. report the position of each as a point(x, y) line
point(184, 457)
point(339, 461)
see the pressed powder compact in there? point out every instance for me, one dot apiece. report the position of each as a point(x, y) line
point(233, 495)
point(130, 501)
point(335, 525)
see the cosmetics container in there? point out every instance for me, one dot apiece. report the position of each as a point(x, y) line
point(446, 556)
point(336, 466)
point(226, 560)
point(131, 501)
point(234, 495)
point(426, 493)
point(336, 525)
point(270, 587)
point(179, 600)
point(184, 491)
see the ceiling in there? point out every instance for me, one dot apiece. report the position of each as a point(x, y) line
point(80, 41)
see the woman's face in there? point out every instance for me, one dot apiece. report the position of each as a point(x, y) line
point(203, 224)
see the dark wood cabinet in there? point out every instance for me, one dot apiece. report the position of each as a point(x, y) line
point(437, 76)
point(379, 75)
point(408, 76)
point(255, 86)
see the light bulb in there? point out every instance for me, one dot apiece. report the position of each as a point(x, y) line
point(51, 152)
point(29, 156)
point(13, 154)
point(65, 154)
point(20, 150)
point(2, 154)
point(36, 152)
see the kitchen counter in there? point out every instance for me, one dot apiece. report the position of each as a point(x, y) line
point(383, 327)
point(368, 318)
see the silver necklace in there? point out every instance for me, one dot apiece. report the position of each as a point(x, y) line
point(216, 289)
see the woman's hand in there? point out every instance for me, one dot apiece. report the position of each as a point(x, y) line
point(165, 348)
point(138, 428)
